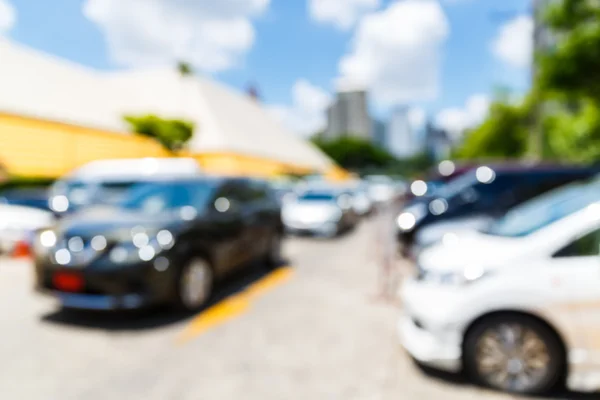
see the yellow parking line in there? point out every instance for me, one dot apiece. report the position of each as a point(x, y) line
point(233, 306)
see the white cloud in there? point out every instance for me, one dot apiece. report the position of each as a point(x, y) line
point(8, 16)
point(396, 52)
point(343, 14)
point(307, 113)
point(514, 43)
point(456, 120)
point(212, 35)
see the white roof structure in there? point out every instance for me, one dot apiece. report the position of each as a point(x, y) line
point(40, 85)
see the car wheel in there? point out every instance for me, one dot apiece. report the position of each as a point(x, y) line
point(515, 354)
point(195, 284)
point(273, 256)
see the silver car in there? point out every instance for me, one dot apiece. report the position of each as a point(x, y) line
point(325, 212)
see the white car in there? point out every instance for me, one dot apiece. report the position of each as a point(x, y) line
point(517, 307)
point(17, 223)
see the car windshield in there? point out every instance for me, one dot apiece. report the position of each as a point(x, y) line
point(541, 211)
point(456, 186)
point(317, 196)
point(157, 198)
point(84, 192)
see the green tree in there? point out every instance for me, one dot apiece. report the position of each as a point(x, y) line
point(504, 134)
point(573, 135)
point(354, 153)
point(185, 69)
point(572, 67)
point(172, 134)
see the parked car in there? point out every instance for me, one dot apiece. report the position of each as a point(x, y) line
point(382, 188)
point(324, 211)
point(284, 191)
point(167, 242)
point(26, 197)
point(361, 201)
point(477, 197)
point(444, 173)
point(107, 181)
point(18, 223)
point(516, 306)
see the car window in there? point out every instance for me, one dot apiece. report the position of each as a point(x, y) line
point(456, 186)
point(586, 246)
point(156, 198)
point(544, 210)
point(258, 191)
point(317, 196)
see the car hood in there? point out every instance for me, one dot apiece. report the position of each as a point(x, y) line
point(111, 222)
point(431, 234)
point(20, 217)
point(471, 248)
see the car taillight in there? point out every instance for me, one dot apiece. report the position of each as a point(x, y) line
point(67, 282)
point(21, 250)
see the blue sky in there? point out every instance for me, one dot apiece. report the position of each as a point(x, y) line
point(291, 44)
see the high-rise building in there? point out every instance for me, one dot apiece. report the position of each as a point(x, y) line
point(437, 142)
point(401, 139)
point(349, 115)
point(379, 133)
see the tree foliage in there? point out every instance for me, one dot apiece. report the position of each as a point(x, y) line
point(172, 134)
point(572, 67)
point(185, 69)
point(504, 134)
point(565, 95)
point(354, 153)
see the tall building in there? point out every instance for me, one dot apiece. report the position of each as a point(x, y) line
point(401, 138)
point(349, 115)
point(379, 134)
point(437, 142)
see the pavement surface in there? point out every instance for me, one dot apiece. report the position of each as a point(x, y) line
point(312, 330)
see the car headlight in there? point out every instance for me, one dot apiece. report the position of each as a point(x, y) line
point(454, 278)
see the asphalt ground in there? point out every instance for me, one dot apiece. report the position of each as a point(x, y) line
point(316, 328)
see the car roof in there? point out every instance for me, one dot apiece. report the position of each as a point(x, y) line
point(130, 169)
point(517, 167)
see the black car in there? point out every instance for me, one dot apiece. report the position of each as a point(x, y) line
point(168, 242)
point(479, 196)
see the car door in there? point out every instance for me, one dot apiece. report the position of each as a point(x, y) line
point(256, 217)
point(226, 230)
point(268, 216)
point(575, 277)
point(244, 201)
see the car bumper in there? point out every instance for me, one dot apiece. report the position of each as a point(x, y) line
point(427, 348)
point(9, 239)
point(322, 228)
point(101, 302)
point(432, 326)
point(130, 287)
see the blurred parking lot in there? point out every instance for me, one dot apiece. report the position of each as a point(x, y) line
point(317, 332)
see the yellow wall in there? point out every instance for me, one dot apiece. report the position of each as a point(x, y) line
point(31, 147)
point(34, 147)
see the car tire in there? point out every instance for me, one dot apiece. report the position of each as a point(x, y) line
point(195, 283)
point(273, 255)
point(499, 343)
